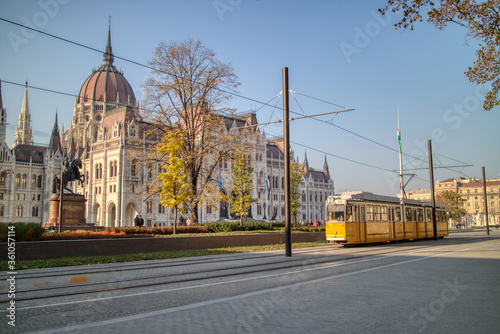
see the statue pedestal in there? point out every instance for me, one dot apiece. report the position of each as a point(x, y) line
point(73, 211)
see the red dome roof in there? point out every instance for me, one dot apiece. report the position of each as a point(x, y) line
point(106, 84)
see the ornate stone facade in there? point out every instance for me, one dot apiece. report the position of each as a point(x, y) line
point(106, 134)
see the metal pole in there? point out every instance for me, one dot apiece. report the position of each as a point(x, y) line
point(433, 196)
point(286, 138)
point(61, 190)
point(486, 204)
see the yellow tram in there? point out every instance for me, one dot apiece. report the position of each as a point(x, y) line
point(362, 217)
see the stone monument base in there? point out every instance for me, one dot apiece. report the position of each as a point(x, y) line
point(73, 212)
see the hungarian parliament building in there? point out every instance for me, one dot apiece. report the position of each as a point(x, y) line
point(102, 134)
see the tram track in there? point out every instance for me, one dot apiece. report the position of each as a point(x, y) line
point(205, 274)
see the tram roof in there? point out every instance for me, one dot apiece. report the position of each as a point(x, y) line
point(367, 196)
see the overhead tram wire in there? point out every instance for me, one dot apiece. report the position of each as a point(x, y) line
point(267, 134)
point(222, 90)
point(122, 58)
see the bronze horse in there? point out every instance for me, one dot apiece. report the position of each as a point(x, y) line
point(72, 173)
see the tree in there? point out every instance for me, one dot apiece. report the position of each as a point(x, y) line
point(296, 172)
point(241, 188)
point(454, 204)
point(480, 18)
point(175, 189)
point(187, 89)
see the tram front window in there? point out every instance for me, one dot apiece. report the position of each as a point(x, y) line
point(336, 213)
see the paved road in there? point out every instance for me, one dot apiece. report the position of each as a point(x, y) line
point(445, 286)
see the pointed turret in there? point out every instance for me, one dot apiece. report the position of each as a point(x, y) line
point(23, 133)
point(326, 171)
point(305, 164)
point(55, 138)
point(108, 54)
point(3, 118)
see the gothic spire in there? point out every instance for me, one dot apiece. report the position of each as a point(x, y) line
point(108, 54)
point(23, 134)
point(3, 118)
point(55, 138)
point(326, 171)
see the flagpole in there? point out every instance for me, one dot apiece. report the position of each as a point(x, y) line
point(401, 181)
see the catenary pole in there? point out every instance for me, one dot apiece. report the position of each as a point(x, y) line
point(286, 138)
point(486, 203)
point(433, 195)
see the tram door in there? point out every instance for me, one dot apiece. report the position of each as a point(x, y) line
point(392, 234)
point(362, 224)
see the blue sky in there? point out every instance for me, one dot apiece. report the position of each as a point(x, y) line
point(338, 51)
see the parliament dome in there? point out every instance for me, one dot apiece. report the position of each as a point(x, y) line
point(106, 84)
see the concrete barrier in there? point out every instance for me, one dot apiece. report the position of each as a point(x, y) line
point(35, 250)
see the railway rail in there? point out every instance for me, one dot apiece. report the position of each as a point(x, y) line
point(80, 281)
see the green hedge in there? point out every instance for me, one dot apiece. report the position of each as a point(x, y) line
point(231, 226)
point(23, 231)
point(166, 230)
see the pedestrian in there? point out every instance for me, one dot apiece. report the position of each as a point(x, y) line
point(141, 221)
point(137, 220)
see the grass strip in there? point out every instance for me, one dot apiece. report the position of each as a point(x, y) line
point(88, 260)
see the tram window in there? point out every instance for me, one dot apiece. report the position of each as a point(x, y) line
point(348, 213)
point(383, 211)
point(420, 215)
point(377, 213)
point(408, 214)
point(428, 213)
point(397, 214)
point(369, 213)
point(336, 212)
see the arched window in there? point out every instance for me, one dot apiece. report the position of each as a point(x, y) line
point(33, 182)
point(18, 180)
point(19, 211)
point(116, 168)
point(133, 167)
point(96, 171)
point(39, 183)
point(24, 181)
point(2, 178)
point(34, 211)
point(111, 170)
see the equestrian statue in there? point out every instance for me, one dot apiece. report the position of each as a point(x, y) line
point(71, 173)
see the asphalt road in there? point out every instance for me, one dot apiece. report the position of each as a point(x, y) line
point(445, 286)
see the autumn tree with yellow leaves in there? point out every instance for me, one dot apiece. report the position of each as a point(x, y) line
point(188, 90)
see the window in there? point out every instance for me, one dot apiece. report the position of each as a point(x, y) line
point(39, 183)
point(34, 211)
point(18, 180)
point(24, 181)
point(377, 215)
point(369, 212)
point(383, 212)
point(19, 211)
point(2, 211)
point(149, 206)
point(133, 167)
point(420, 215)
point(33, 182)
point(2, 179)
point(397, 214)
point(408, 215)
